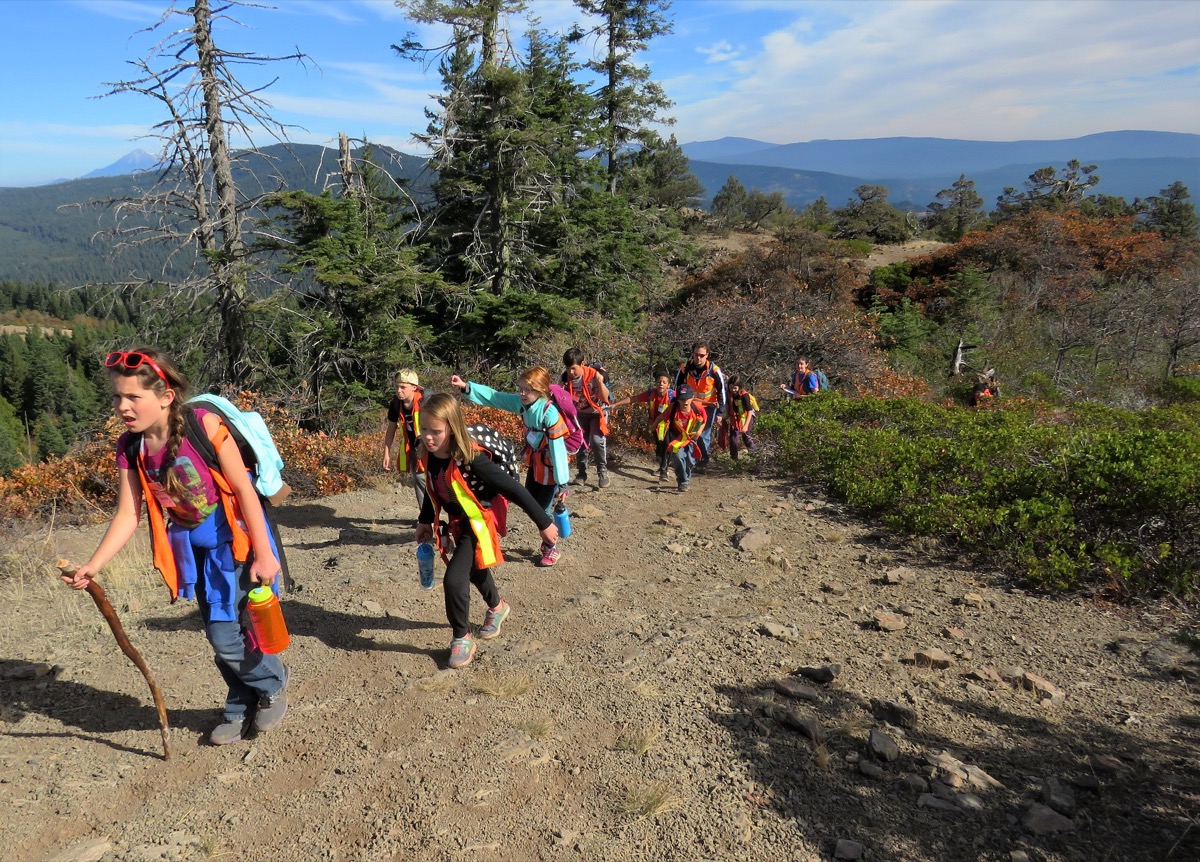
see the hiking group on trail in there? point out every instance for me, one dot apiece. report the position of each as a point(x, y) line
point(209, 474)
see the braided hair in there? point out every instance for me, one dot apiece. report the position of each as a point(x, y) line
point(176, 419)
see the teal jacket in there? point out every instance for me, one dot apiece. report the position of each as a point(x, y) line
point(538, 416)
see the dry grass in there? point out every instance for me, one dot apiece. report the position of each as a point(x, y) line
point(439, 683)
point(645, 802)
point(29, 574)
point(821, 752)
point(853, 727)
point(648, 690)
point(538, 728)
point(502, 685)
point(639, 742)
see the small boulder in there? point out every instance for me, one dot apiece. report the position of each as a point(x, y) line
point(896, 714)
point(795, 689)
point(883, 746)
point(847, 849)
point(1043, 820)
point(823, 673)
point(889, 622)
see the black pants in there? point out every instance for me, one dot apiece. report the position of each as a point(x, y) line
point(460, 574)
point(660, 452)
point(542, 494)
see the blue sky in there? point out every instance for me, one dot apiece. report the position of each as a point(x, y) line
point(774, 70)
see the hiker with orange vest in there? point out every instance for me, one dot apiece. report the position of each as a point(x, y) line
point(804, 381)
point(707, 381)
point(209, 537)
point(546, 433)
point(658, 399)
point(462, 479)
point(404, 414)
point(591, 396)
point(739, 424)
point(682, 427)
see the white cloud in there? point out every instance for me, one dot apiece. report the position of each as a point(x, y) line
point(981, 70)
point(719, 52)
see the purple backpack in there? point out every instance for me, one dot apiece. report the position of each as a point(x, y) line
point(561, 399)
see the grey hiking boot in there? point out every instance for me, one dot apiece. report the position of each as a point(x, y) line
point(580, 479)
point(229, 732)
point(603, 479)
point(272, 709)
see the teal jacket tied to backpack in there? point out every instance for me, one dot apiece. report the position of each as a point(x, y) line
point(249, 431)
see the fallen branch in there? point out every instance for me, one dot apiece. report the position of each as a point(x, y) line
point(114, 622)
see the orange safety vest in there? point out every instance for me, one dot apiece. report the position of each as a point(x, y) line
point(704, 384)
point(164, 557)
point(584, 394)
point(405, 452)
point(681, 430)
point(538, 460)
point(479, 518)
point(657, 406)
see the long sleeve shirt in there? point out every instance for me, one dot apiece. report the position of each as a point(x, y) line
point(545, 431)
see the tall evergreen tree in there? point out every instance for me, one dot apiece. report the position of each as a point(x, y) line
point(1172, 213)
point(363, 318)
point(627, 99)
point(957, 210)
point(13, 451)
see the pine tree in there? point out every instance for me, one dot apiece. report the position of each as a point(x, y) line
point(628, 100)
point(957, 210)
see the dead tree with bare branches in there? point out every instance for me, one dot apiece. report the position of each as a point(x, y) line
point(203, 191)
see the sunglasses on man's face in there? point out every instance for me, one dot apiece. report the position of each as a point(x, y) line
point(132, 361)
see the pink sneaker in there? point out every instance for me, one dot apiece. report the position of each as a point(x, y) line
point(550, 555)
point(462, 650)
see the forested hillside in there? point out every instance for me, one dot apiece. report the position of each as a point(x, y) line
point(66, 233)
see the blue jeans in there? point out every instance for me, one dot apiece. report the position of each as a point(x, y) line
point(249, 673)
point(683, 462)
point(706, 435)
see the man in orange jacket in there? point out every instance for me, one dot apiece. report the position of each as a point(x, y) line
point(707, 381)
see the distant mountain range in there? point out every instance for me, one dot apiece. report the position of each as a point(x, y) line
point(46, 237)
point(1130, 164)
point(41, 242)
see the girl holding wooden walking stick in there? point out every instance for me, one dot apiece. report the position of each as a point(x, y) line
point(208, 532)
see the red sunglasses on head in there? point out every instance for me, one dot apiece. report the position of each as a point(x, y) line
point(132, 360)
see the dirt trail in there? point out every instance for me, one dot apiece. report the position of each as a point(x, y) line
point(636, 706)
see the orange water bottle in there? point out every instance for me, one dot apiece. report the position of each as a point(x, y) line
point(266, 620)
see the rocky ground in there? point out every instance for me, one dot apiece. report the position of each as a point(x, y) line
point(739, 672)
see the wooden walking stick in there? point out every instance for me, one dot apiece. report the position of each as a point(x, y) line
point(114, 622)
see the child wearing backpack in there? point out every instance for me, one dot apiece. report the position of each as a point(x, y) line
point(658, 399)
point(209, 535)
point(589, 391)
point(404, 415)
point(462, 479)
point(743, 411)
point(805, 381)
point(545, 436)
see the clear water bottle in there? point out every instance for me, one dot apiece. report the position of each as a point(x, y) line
point(562, 519)
point(425, 564)
point(266, 620)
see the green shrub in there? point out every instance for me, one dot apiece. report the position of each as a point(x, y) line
point(1057, 499)
point(1180, 390)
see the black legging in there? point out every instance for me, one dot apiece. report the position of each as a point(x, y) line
point(543, 495)
point(460, 574)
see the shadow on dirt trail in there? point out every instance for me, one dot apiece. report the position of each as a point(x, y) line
point(1139, 813)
